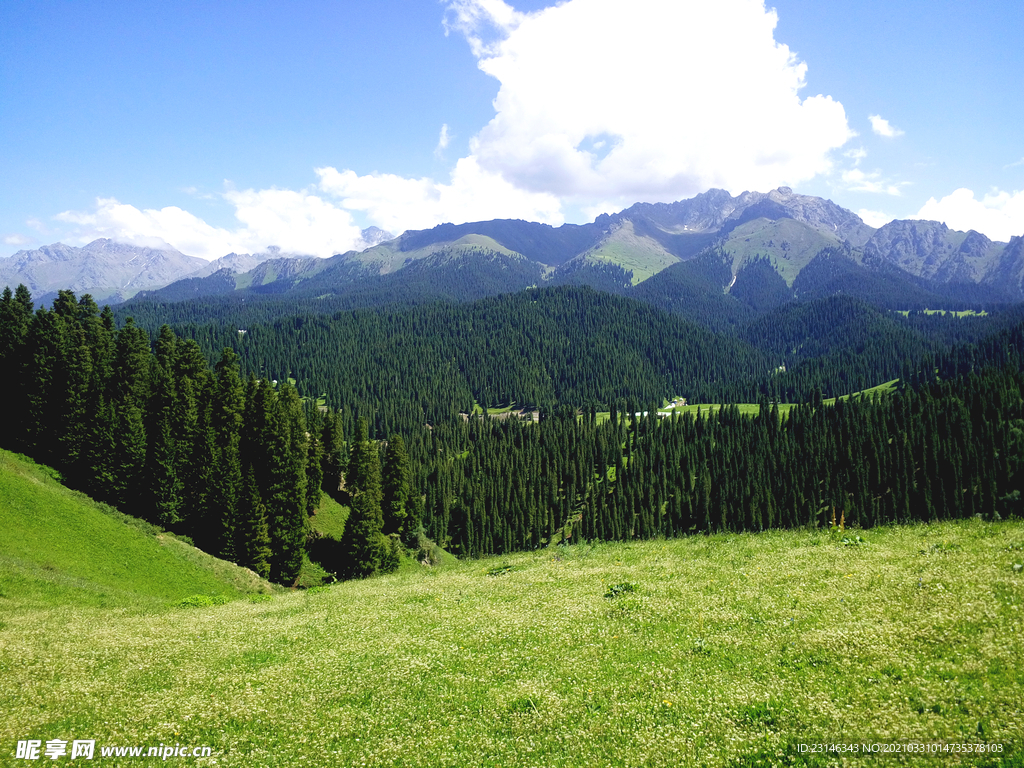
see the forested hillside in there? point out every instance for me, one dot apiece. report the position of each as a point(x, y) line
point(146, 426)
point(231, 454)
point(407, 365)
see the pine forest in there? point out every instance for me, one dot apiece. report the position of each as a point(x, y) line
point(232, 437)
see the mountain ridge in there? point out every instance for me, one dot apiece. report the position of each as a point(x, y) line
point(779, 228)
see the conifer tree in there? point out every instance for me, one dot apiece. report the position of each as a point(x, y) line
point(76, 405)
point(45, 378)
point(395, 485)
point(333, 456)
point(287, 505)
point(129, 457)
point(363, 544)
point(15, 317)
point(252, 543)
point(190, 425)
point(163, 488)
point(225, 482)
point(314, 460)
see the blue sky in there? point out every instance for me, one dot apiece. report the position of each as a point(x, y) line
point(239, 125)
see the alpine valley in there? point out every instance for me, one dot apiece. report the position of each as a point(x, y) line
point(694, 484)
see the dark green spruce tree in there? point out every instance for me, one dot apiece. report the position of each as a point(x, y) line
point(395, 486)
point(225, 483)
point(252, 534)
point(363, 545)
point(287, 505)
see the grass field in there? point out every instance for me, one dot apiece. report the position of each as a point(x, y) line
point(640, 255)
point(478, 409)
point(747, 409)
point(330, 517)
point(762, 236)
point(59, 547)
point(752, 409)
point(886, 387)
point(953, 312)
point(726, 650)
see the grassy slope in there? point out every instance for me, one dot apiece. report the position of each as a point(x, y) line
point(58, 546)
point(386, 257)
point(752, 239)
point(641, 255)
point(886, 387)
point(330, 517)
point(747, 409)
point(752, 409)
point(730, 648)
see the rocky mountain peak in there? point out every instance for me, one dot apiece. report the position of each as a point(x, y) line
point(375, 236)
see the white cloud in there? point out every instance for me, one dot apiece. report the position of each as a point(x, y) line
point(882, 127)
point(875, 219)
point(1014, 165)
point(38, 226)
point(442, 141)
point(857, 180)
point(600, 105)
point(17, 239)
point(1000, 215)
point(296, 222)
point(857, 154)
point(689, 94)
point(476, 18)
point(595, 210)
point(396, 203)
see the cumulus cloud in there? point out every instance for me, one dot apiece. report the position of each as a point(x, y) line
point(296, 222)
point(856, 154)
point(601, 105)
point(684, 95)
point(477, 19)
point(396, 203)
point(17, 239)
point(882, 127)
point(857, 180)
point(999, 215)
point(875, 219)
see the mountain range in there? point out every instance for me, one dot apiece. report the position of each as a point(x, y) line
point(113, 272)
point(713, 253)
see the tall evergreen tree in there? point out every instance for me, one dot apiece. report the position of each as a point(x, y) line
point(288, 506)
point(224, 487)
point(163, 489)
point(363, 545)
point(395, 485)
point(252, 542)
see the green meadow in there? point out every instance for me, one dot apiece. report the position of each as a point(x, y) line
point(726, 650)
point(58, 547)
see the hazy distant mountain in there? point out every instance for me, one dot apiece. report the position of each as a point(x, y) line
point(234, 263)
point(113, 272)
point(1007, 272)
point(375, 236)
point(108, 270)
